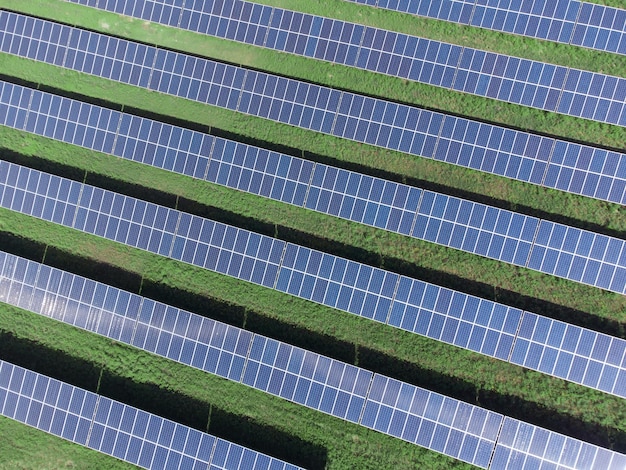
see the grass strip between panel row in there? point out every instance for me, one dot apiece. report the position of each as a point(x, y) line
point(338, 76)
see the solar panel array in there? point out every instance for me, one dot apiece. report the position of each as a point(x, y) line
point(277, 368)
point(116, 429)
point(584, 24)
point(556, 249)
point(526, 157)
point(548, 87)
point(411, 413)
point(482, 326)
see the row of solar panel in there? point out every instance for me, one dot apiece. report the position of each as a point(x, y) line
point(116, 429)
point(551, 248)
point(572, 22)
point(594, 96)
point(556, 348)
point(411, 413)
point(526, 157)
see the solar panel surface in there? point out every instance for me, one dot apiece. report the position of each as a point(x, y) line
point(556, 249)
point(585, 357)
point(593, 96)
point(590, 25)
point(116, 429)
point(387, 405)
point(518, 155)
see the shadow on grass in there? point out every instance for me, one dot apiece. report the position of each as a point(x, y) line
point(169, 404)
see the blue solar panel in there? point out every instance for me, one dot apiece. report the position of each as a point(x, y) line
point(309, 274)
point(426, 215)
point(416, 415)
point(468, 70)
point(431, 420)
point(116, 429)
point(571, 353)
point(514, 154)
point(584, 24)
point(522, 445)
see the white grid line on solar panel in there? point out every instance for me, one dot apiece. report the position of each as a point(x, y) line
point(335, 282)
point(530, 83)
point(431, 420)
point(419, 307)
point(437, 52)
point(114, 428)
point(441, 314)
point(454, 318)
point(191, 339)
point(135, 223)
point(147, 440)
point(306, 378)
point(572, 353)
point(523, 445)
point(325, 176)
point(125, 317)
point(167, 146)
point(570, 22)
point(307, 283)
point(46, 404)
point(589, 25)
point(553, 21)
point(476, 228)
point(292, 373)
point(511, 161)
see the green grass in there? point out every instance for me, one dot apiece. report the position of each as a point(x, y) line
point(348, 445)
point(609, 3)
point(360, 81)
point(26, 448)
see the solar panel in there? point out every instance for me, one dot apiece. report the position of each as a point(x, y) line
point(116, 429)
point(522, 445)
point(530, 83)
point(526, 157)
point(571, 353)
point(432, 420)
point(411, 413)
point(434, 217)
point(422, 308)
point(600, 27)
point(584, 24)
